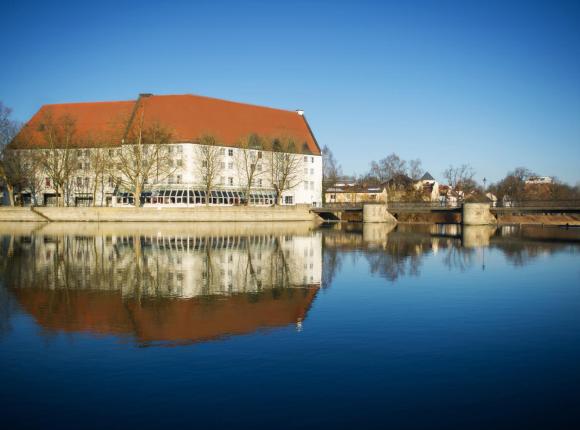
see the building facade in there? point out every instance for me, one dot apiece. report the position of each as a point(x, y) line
point(95, 142)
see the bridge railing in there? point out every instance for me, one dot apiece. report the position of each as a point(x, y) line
point(547, 204)
point(423, 205)
point(343, 205)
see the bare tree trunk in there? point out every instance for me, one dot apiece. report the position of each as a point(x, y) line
point(95, 192)
point(10, 189)
point(137, 196)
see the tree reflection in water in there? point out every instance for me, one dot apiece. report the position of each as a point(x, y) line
point(182, 284)
point(393, 252)
point(164, 286)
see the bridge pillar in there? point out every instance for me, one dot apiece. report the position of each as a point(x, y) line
point(477, 214)
point(377, 213)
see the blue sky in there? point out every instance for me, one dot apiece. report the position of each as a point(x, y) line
point(495, 84)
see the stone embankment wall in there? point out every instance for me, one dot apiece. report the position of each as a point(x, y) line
point(198, 214)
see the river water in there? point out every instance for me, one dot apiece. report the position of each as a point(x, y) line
point(288, 326)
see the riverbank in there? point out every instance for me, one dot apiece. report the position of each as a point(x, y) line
point(527, 219)
point(197, 214)
point(535, 219)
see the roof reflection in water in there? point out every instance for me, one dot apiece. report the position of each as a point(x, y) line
point(178, 284)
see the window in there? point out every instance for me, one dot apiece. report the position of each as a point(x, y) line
point(305, 185)
point(312, 185)
point(259, 154)
point(180, 163)
point(288, 200)
point(230, 181)
point(223, 165)
point(259, 182)
point(79, 181)
point(111, 152)
point(87, 153)
point(204, 163)
point(111, 181)
point(259, 167)
point(170, 149)
point(79, 152)
point(231, 152)
point(312, 159)
point(179, 179)
point(230, 165)
point(222, 151)
point(305, 158)
point(222, 180)
point(312, 171)
point(87, 180)
point(80, 166)
point(180, 149)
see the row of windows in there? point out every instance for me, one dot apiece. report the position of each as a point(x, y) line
point(177, 179)
point(217, 197)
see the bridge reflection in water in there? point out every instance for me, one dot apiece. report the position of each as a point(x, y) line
point(184, 283)
point(168, 285)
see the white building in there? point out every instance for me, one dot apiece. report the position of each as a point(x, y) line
point(103, 126)
point(540, 180)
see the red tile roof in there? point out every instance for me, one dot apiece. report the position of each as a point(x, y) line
point(188, 117)
point(96, 124)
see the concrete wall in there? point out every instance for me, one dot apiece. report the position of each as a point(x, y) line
point(198, 214)
point(377, 213)
point(19, 214)
point(477, 214)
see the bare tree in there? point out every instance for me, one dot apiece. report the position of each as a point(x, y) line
point(249, 163)
point(8, 169)
point(208, 163)
point(388, 168)
point(460, 178)
point(144, 157)
point(331, 170)
point(13, 172)
point(513, 186)
point(284, 166)
point(100, 163)
point(59, 161)
point(415, 170)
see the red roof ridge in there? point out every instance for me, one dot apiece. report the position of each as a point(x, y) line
point(223, 100)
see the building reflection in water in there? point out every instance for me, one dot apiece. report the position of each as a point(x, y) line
point(185, 283)
point(164, 286)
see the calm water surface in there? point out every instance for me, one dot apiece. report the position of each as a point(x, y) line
point(270, 326)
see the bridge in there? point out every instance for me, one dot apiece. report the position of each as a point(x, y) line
point(353, 211)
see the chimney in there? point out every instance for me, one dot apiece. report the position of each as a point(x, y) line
point(300, 112)
point(145, 95)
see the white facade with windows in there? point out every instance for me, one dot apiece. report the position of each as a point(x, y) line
point(184, 187)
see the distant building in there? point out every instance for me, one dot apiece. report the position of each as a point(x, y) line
point(428, 187)
point(540, 180)
point(344, 194)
